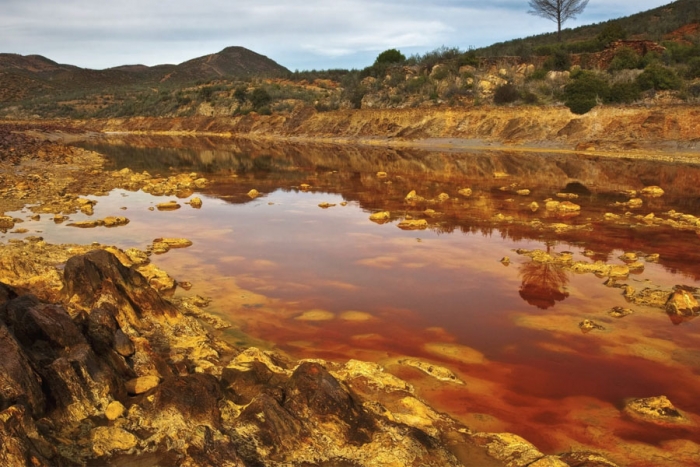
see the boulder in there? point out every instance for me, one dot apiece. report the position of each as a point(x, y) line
point(98, 277)
point(18, 381)
point(682, 303)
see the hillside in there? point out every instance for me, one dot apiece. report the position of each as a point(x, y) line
point(656, 25)
point(23, 77)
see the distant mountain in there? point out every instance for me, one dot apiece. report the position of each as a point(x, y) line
point(32, 75)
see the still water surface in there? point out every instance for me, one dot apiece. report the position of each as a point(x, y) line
point(330, 283)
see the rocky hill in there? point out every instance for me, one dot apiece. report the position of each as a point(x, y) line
point(34, 76)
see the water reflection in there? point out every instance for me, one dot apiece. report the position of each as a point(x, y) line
point(440, 294)
point(544, 284)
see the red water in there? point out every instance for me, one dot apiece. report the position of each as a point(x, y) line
point(267, 261)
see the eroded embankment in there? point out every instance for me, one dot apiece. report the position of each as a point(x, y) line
point(605, 128)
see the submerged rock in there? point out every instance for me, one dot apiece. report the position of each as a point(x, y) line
point(413, 224)
point(588, 325)
point(168, 206)
point(654, 409)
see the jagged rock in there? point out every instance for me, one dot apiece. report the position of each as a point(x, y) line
point(195, 396)
point(98, 277)
point(22, 444)
point(18, 382)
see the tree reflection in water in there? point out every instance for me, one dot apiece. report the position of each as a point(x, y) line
point(544, 283)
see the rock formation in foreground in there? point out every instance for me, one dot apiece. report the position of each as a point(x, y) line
point(112, 373)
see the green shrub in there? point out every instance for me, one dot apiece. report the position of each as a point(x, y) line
point(240, 94)
point(260, 99)
point(505, 94)
point(538, 75)
point(624, 93)
point(611, 32)
point(584, 92)
point(558, 61)
point(693, 70)
point(530, 98)
point(625, 59)
point(390, 56)
point(658, 77)
point(440, 74)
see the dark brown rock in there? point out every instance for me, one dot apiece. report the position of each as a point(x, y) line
point(243, 386)
point(98, 276)
point(101, 328)
point(122, 344)
point(21, 442)
point(313, 392)
point(18, 382)
point(195, 396)
point(277, 430)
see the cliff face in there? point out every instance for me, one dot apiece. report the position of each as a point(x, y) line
point(608, 128)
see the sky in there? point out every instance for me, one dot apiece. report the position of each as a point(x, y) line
point(302, 35)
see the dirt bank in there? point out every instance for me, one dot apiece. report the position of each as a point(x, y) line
point(630, 128)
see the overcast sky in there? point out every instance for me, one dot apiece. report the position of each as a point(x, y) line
point(300, 35)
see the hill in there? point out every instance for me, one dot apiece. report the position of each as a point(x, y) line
point(656, 25)
point(28, 76)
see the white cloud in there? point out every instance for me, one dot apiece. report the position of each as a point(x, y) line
point(311, 34)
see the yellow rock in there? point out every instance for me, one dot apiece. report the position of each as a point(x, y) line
point(382, 216)
point(413, 224)
point(534, 206)
point(525, 192)
point(174, 242)
point(466, 192)
point(141, 384)
point(304, 186)
point(381, 174)
point(115, 221)
point(438, 372)
point(114, 410)
point(253, 193)
point(196, 202)
point(108, 439)
point(325, 205)
point(442, 197)
point(168, 206)
point(653, 191)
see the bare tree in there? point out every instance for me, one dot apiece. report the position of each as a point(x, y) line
point(557, 10)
